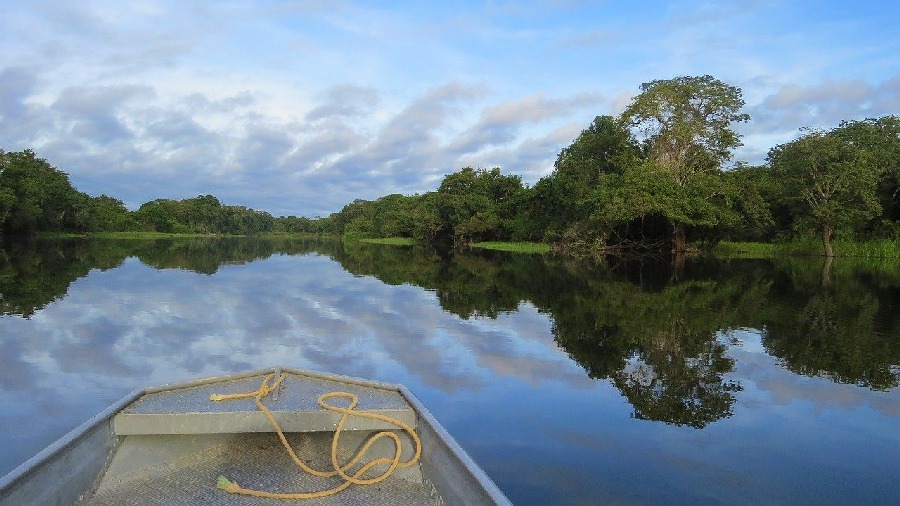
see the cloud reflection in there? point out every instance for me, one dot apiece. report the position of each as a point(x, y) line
point(502, 385)
point(135, 326)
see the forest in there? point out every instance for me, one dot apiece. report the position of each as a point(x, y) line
point(658, 177)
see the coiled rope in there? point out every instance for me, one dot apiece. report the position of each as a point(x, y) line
point(338, 470)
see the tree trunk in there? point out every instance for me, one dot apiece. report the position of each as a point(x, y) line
point(680, 244)
point(826, 240)
point(826, 272)
point(678, 263)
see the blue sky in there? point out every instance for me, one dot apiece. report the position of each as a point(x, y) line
point(300, 107)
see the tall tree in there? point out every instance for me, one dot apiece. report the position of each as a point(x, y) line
point(834, 181)
point(474, 205)
point(881, 138)
point(105, 214)
point(606, 147)
point(685, 124)
point(34, 195)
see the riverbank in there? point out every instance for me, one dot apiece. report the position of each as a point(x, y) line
point(163, 235)
point(514, 247)
point(391, 241)
point(881, 248)
point(806, 247)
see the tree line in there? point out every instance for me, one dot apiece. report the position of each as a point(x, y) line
point(37, 197)
point(656, 177)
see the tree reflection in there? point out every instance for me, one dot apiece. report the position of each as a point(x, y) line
point(34, 273)
point(664, 349)
point(654, 338)
point(845, 329)
point(657, 331)
point(670, 384)
point(467, 285)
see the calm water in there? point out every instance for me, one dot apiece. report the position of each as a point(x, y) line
point(629, 382)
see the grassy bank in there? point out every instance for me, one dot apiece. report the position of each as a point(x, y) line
point(744, 250)
point(152, 235)
point(122, 235)
point(392, 241)
point(515, 247)
point(162, 235)
point(883, 248)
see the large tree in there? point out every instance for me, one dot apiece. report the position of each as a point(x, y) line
point(881, 138)
point(685, 124)
point(564, 198)
point(34, 195)
point(833, 179)
point(477, 204)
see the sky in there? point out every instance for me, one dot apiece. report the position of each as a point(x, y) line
point(300, 107)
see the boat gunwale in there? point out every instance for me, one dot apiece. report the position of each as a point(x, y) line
point(72, 437)
point(491, 488)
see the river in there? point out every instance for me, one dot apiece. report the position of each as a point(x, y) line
point(624, 381)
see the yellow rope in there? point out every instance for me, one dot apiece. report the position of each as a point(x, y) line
point(338, 470)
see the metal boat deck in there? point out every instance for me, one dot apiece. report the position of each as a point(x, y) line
point(168, 445)
point(189, 410)
point(183, 470)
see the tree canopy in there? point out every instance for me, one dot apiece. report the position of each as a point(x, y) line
point(685, 125)
point(835, 181)
point(653, 178)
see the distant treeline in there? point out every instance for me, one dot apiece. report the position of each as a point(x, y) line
point(37, 197)
point(652, 178)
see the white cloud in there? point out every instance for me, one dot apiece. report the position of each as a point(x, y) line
point(345, 100)
point(298, 108)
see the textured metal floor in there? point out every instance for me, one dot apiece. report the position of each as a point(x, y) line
point(190, 411)
point(253, 461)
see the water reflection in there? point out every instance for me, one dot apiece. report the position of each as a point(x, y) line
point(657, 332)
point(486, 333)
point(846, 330)
point(662, 338)
point(34, 273)
point(659, 335)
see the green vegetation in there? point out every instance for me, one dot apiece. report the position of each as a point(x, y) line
point(728, 249)
point(515, 247)
point(876, 248)
point(153, 235)
point(834, 177)
point(808, 246)
point(392, 241)
point(652, 179)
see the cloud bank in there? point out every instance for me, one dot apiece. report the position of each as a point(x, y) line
point(299, 108)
